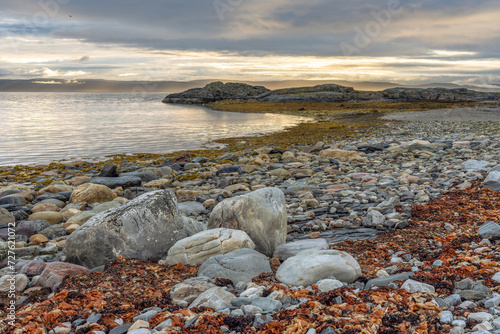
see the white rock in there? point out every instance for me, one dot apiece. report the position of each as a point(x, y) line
point(480, 317)
point(413, 286)
point(446, 317)
point(194, 250)
point(496, 322)
point(19, 282)
point(309, 266)
point(261, 214)
point(326, 285)
point(190, 289)
point(215, 298)
point(485, 326)
point(459, 323)
point(496, 277)
point(493, 176)
point(63, 328)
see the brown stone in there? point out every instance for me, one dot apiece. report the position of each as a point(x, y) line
point(55, 272)
point(92, 193)
point(50, 216)
point(45, 207)
point(38, 239)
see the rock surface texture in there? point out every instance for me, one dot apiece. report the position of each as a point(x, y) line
point(194, 250)
point(261, 214)
point(143, 228)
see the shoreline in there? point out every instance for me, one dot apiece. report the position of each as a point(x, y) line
point(324, 116)
point(402, 198)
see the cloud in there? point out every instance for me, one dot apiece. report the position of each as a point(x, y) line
point(187, 38)
point(83, 59)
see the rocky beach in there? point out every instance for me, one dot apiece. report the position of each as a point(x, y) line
point(379, 217)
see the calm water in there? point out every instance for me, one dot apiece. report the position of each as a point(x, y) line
point(40, 127)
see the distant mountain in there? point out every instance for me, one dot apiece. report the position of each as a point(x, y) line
point(84, 85)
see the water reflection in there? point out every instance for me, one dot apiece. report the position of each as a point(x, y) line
point(40, 127)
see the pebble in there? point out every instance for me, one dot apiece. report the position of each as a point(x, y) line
point(328, 200)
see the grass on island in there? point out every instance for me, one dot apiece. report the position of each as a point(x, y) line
point(332, 121)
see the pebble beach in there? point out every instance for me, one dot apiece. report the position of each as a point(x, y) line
point(392, 228)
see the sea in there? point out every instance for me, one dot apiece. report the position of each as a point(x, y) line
point(43, 127)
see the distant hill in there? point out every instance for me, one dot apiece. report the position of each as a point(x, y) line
point(84, 85)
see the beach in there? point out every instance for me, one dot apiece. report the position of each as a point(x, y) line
point(405, 198)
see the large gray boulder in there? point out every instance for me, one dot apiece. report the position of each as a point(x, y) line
point(261, 214)
point(312, 265)
point(145, 228)
point(240, 265)
point(194, 250)
point(216, 91)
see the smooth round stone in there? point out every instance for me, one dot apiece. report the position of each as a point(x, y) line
point(50, 216)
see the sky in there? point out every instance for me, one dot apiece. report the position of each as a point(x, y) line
point(405, 41)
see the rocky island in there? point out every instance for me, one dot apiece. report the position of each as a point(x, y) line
point(218, 91)
point(351, 224)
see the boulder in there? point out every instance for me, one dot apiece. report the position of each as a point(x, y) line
point(145, 228)
point(109, 170)
point(283, 252)
point(190, 289)
point(216, 91)
point(215, 298)
point(92, 193)
point(55, 272)
point(194, 250)
point(115, 182)
point(261, 214)
point(240, 265)
point(310, 266)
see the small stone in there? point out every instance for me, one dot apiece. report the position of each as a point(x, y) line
point(121, 329)
point(94, 318)
point(327, 285)
point(139, 324)
point(328, 330)
point(465, 284)
point(480, 317)
point(145, 316)
point(472, 295)
point(453, 300)
point(446, 317)
point(267, 304)
point(262, 320)
point(38, 239)
point(17, 282)
point(457, 330)
point(251, 309)
point(413, 286)
point(489, 230)
point(215, 298)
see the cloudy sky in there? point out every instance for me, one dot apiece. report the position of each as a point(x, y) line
point(409, 41)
